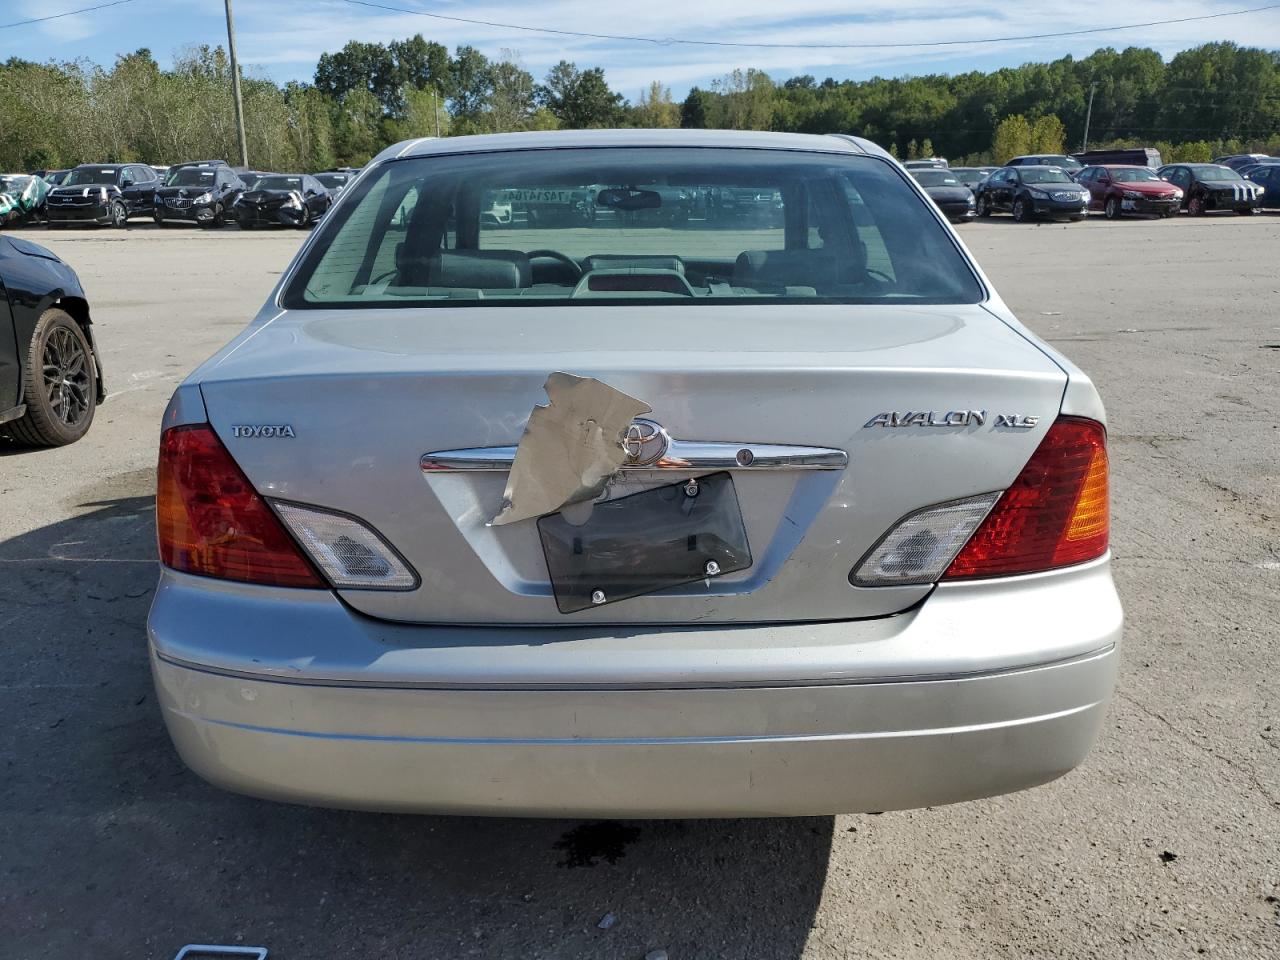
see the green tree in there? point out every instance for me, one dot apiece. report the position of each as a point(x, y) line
point(472, 84)
point(696, 108)
point(913, 152)
point(746, 100)
point(926, 147)
point(357, 128)
point(655, 108)
point(1012, 138)
point(511, 96)
point(1048, 135)
point(580, 99)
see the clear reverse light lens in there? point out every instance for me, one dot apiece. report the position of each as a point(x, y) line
point(349, 553)
point(921, 547)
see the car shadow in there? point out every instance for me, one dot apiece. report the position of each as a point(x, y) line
point(114, 847)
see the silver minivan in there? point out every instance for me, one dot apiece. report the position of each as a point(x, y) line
point(602, 511)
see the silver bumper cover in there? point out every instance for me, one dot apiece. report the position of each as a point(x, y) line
point(802, 719)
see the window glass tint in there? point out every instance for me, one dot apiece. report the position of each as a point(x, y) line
point(936, 178)
point(332, 180)
point(1217, 173)
point(1134, 175)
point(278, 183)
point(88, 175)
point(1045, 175)
point(663, 225)
point(191, 177)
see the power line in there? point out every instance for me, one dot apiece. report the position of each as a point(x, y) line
point(671, 41)
point(69, 13)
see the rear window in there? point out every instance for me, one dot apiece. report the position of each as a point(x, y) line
point(659, 225)
point(278, 183)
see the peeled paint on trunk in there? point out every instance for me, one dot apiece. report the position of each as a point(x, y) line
point(570, 447)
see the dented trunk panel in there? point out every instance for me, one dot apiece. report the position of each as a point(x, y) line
point(366, 393)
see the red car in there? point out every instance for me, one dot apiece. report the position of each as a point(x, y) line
point(1116, 190)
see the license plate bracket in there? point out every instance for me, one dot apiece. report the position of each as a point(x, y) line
point(646, 542)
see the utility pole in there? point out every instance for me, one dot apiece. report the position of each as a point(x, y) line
point(1088, 114)
point(435, 102)
point(235, 85)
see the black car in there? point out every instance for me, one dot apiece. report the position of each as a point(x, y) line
point(50, 373)
point(1267, 177)
point(1237, 161)
point(972, 176)
point(52, 177)
point(953, 198)
point(335, 181)
point(107, 194)
point(202, 192)
point(1029, 192)
point(1121, 156)
point(1070, 165)
point(1207, 187)
point(282, 199)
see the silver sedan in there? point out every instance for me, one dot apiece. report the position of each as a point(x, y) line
point(633, 504)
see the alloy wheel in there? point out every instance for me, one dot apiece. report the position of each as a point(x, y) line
point(66, 376)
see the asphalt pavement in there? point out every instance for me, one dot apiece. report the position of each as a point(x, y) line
point(1165, 843)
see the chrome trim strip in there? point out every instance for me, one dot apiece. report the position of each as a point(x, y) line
point(681, 455)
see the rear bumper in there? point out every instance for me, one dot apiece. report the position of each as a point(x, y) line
point(895, 720)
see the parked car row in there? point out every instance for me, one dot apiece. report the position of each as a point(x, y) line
point(1059, 187)
point(209, 193)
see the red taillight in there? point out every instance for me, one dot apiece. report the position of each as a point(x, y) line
point(211, 521)
point(1053, 515)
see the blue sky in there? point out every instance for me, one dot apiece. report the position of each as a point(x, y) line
point(281, 39)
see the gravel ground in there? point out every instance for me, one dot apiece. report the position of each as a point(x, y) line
point(1164, 844)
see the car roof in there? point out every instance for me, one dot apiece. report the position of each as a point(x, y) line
point(553, 139)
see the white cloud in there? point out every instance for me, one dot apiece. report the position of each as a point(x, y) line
point(287, 36)
point(64, 29)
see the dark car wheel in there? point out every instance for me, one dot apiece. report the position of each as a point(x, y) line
point(60, 384)
point(983, 208)
point(1021, 210)
point(1112, 209)
point(1248, 213)
point(1195, 206)
point(119, 215)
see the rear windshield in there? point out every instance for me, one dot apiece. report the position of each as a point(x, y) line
point(332, 180)
point(278, 183)
point(660, 225)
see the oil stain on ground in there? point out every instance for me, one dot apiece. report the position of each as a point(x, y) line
point(589, 843)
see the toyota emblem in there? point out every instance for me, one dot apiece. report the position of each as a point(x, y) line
point(645, 442)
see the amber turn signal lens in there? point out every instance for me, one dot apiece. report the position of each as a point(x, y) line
point(210, 521)
point(1055, 514)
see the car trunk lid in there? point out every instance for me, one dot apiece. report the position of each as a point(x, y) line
point(919, 398)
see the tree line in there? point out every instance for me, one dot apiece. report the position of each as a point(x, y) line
point(1215, 98)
